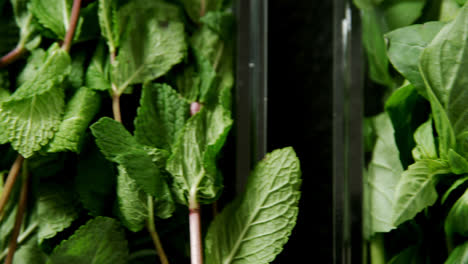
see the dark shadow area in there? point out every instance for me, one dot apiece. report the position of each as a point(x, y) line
point(300, 115)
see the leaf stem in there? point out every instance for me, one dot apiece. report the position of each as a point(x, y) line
point(154, 235)
point(12, 176)
point(12, 56)
point(116, 104)
point(196, 253)
point(19, 217)
point(202, 8)
point(75, 14)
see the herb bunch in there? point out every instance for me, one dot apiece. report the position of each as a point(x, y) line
point(113, 115)
point(416, 176)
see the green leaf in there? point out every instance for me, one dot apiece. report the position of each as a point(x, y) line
point(381, 180)
point(425, 145)
point(374, 44)
point(76, 78)
point(458, 255)
point(452, 188)
point(97, 75)
point(193, 161)
point(108, 244)
point(35, 61)
point(113, 139)
point(442, 64)
point(153, 42)
point(29, 253)
point(457, 217)
point(54, 15)
point(161, 116)
point(33, 112)
point(448, 10)
point(95, 181)
point(56, 209)
point(400, 13)
point(405, 46)
point(79, 112)
point(221, 22)
point(407, 109)
point(133, 211)
point(458, 164)
point(411, 255)
point(109, 26)
point(416, 189)
point(254, 228)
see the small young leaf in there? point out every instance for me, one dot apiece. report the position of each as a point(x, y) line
point(78, 114)
point(425, 145)
point(400, 13)
point(254, 228)
point(193, 161)
point(458, 164)
point(33, 112)
point(161, 116)
point(56, 209)
point(109, 27)
point(101, 240)
point(416, 189)
point(97, 75)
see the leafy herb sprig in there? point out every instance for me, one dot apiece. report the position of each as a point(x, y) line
point(93, 188)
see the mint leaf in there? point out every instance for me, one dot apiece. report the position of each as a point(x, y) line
point(441, 65)
point(132, 202)
point(78, 114)
point(108, 244)
point(117, 142)
point(254, 228)
point(29, 253)
point(405, 47)
point(56, 209)
point(453, 187)
point(153, 42)
point(76, 77)
point(109, 26)
point(54, 15)
point(142, 164)
point(193, 161)
point(97, 74)
point(33, 112)
point(36, 59)
point(382, 177)
point(393, 10)
point(29, 36)
point(416, 189)
point(161, 116)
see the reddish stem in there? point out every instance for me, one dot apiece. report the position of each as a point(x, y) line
point(12, 176)
point(196, 254)
point(12, 56)
point(18, 221)
point(73, 22)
